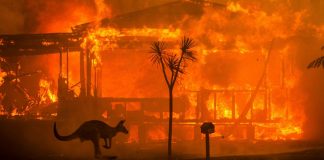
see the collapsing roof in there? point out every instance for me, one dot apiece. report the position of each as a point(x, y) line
point(166, 15)
point(169, 14)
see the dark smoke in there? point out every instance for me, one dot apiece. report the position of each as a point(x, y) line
point(11, 16)
point(38, 16)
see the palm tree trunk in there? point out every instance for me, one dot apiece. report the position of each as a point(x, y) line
point(170, 124)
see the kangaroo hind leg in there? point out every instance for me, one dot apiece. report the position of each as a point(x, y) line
point(97, 151)
point(106, 143)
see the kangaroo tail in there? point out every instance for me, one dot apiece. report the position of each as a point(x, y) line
point(63, 138)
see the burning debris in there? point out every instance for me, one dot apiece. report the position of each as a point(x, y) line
point(46, 93)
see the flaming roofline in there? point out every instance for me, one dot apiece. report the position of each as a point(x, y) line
point(167, 14)
point(52, 43)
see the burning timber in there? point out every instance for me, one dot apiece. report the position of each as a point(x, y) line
point(240, 113)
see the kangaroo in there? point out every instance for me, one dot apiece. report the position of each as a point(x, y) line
point(94, 130)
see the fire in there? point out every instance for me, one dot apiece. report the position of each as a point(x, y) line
point(161, 34)
point(2, 75)
point(133, 136)
point(15, 113)
point(236, 7)
point(46, 94)
point(1, 42)
point(285, 130)
point(98, 40)
point(157, 133)
point(44, 43)
point(232, 46)
point(101, 39)
point(103, 10)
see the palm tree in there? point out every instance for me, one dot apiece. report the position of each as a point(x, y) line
point(317, 62)
point(172, 66)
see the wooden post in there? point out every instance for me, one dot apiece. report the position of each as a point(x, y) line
point(99, 81)
point(67, 67)
point(215, 106)
point(207, 147)
point(61, 63)
point(269, 106)
point(233, 105)
point(89, 65)
point(59, 83)
point(265, 103)
point(82, 78)
point(95, 91)
point(252, 107)
point(198, 110)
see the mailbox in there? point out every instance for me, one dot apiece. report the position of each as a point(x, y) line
point(207, 128)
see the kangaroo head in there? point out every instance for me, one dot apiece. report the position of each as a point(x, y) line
point(121, 128)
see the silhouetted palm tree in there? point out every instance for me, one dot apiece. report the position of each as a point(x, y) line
point(317, 62)
point(172, 66)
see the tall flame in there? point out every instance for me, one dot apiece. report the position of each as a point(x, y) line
point(46, 94)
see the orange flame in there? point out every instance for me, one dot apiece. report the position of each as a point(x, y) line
point(236, 7)
point(238, 32)
point(46, 94)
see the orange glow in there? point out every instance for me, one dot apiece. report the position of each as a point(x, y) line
point(2, 75)
point(280, 131)
point(157, 133)
point(1, 42)
point(133, 135)
point(46, 93)
point(232, 45)
point(15, 113)
point(161, 34)
point(44, 43)
point(236, 7)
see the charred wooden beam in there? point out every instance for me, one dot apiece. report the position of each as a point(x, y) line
point(53, 43)
point(82, 75)
point(37, 44)
point(89, 66)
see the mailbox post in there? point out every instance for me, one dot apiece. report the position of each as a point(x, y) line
point(207, 128)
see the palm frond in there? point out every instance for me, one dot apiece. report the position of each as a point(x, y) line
point(317, 63)
point(190, 55)
point(186, 45)
point(158, 52)
point(173, 63)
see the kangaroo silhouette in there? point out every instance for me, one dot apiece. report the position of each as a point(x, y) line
point(94, 130)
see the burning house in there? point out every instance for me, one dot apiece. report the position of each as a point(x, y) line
point(245, 80)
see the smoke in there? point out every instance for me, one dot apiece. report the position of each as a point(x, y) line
point(220, 73)
point(38, 16)
point(11, 16)
point(296, 27)
point(57, 16)
point(124, 6)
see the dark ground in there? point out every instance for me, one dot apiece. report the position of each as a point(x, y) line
point(34, 140)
